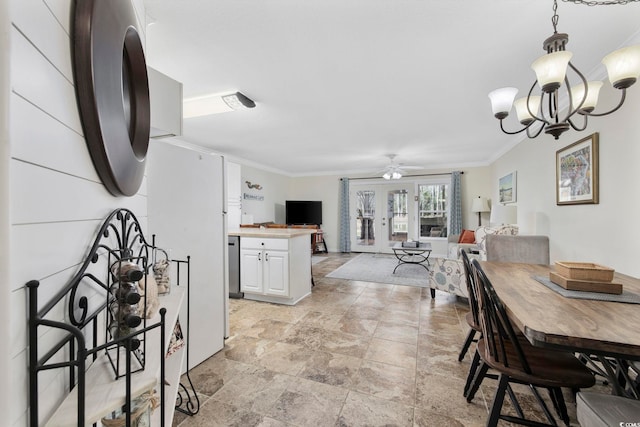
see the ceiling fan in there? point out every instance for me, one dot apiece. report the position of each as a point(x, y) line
point(395, 170)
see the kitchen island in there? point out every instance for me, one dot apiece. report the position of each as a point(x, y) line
point(275, 264)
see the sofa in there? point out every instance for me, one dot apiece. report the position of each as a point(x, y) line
point(479, 245)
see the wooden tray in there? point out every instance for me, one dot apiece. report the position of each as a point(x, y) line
point(584, 271)
point(585, 285)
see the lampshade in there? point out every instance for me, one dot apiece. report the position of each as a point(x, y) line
point(387, 175)
point(479, 205)
point(502, 101)
point(503, 214)
point(551, 69)
point(521, 108)
point(577, 93)
point(623, 66)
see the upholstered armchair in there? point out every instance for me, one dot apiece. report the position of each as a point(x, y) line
point(448, 275)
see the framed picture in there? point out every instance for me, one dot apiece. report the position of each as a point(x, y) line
point(577, 172)
point(507, 188)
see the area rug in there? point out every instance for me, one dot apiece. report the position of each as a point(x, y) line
point(378, 268)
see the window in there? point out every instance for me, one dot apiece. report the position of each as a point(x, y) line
point(433, 209)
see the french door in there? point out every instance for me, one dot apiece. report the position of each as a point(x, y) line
point(381, 215)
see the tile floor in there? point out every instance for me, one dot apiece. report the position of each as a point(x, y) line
point(351, 354)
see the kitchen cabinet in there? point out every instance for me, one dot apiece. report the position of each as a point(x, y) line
point(275, 266)
point(264, 266)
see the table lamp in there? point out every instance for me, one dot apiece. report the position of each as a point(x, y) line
point(478, 206)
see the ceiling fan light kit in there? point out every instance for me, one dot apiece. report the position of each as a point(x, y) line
point(395, 170)
point(623, 69)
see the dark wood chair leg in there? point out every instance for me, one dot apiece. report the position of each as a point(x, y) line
point(560, 405)
point(467, 342)
point(498, 400)
point(472, 372)
point(477, 380)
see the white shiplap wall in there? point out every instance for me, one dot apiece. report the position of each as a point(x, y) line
point(56, 199)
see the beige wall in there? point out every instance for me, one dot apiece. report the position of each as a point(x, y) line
point(604, 233)
point(278, 188)
point(274, 193)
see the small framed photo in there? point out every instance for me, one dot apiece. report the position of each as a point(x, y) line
point(577, 172)
point(507, 187)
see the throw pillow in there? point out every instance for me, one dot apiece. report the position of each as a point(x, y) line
point(467, 236)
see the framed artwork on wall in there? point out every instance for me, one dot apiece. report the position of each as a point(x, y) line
point(577, 172)
point(507, 188)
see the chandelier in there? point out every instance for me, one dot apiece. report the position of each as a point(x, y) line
point(623, 68)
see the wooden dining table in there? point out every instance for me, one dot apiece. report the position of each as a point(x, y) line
point(551, 320)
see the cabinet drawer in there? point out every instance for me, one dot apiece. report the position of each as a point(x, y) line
point(257, 243)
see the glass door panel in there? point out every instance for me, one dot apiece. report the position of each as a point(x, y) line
point(364, 211)
point(397, 215)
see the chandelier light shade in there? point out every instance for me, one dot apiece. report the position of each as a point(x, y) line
point(552, 80)
point(527, 108)
point(577, 94)
point(502, 100)
point(551, 69)
point(623, 66)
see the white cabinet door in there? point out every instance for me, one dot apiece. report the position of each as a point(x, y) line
point(276, 273)
point(251, 270)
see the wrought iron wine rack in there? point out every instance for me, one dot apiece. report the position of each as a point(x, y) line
point(87, 298)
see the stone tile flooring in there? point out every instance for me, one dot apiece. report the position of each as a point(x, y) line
point(351, 354)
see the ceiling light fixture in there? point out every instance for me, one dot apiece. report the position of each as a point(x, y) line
point(623, 68)
point(215, 104)
point(393, 173)
point(395, 170)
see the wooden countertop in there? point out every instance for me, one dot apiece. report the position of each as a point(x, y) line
point(276, 233)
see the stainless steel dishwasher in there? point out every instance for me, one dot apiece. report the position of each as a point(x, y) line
point(234, 267)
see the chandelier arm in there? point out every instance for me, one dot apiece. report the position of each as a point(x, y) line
point(616, 108)
point(542, 119)
point(537, 133)
point(579, 129)
point(584, 95)
point(516, 132)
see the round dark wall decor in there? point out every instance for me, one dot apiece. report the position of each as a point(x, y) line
point(112, 91)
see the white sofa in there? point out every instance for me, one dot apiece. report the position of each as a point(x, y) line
point(481, 240)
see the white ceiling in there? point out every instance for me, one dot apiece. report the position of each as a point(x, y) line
point(340, 84)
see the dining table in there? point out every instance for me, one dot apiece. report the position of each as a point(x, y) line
point(603, 331)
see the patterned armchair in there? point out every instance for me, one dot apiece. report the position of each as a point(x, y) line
point(448, 275)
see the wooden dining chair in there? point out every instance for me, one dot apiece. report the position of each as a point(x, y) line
point(472, 317)
point(517, 361)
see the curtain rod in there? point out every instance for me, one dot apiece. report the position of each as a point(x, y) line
point(406, 176)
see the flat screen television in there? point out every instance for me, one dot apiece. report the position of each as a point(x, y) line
point(303, 212)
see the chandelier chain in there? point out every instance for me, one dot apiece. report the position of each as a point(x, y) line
point(555, 17)
point(600, 3)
